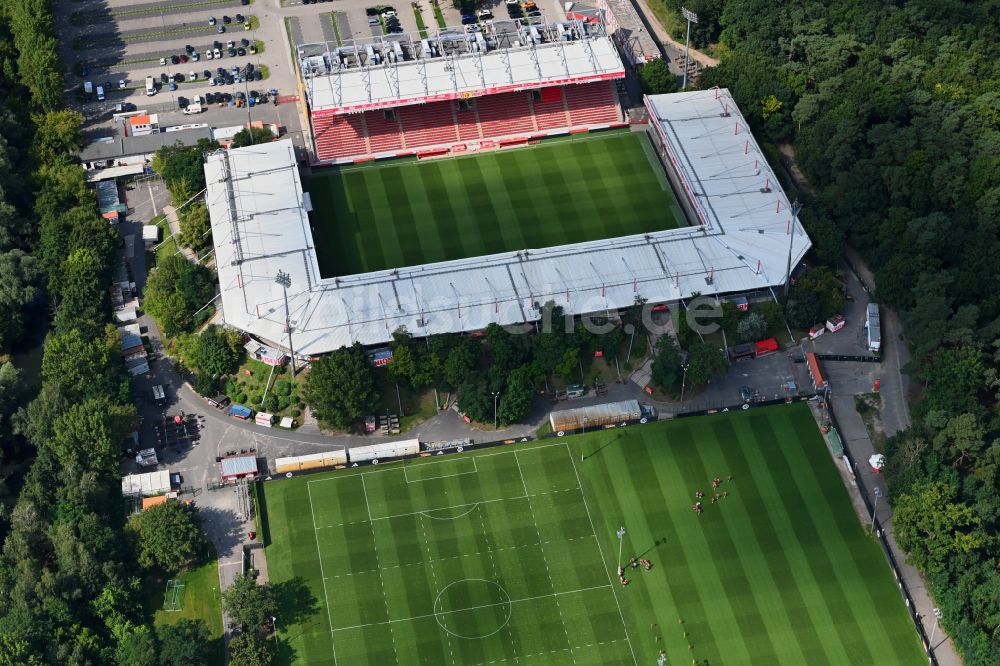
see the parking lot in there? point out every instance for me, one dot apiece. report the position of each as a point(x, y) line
point(342, 20)
point(117, 44)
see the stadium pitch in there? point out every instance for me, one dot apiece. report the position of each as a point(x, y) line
point(405, 213)
point(509, 554)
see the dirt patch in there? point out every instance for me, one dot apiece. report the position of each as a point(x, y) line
point(788, 158)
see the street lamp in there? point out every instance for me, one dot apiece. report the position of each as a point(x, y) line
point(691, 18)
point(796, 207)
point(285, 280)
point(495, 396)
point(937, 616)
point(878, 493)
point(683, 380)
point(621, 540)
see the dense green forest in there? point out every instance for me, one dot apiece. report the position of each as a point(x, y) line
point(893, 109)
point(70, 588)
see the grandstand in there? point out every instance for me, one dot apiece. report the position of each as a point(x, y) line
point(740, 237)
point(459, 89)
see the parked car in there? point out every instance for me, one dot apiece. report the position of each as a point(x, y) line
point(231, 53)
point(241, 51)
point(182, 58)
point(240, 18)
point(484, 14)
point(217, 53)
point(174, 60)
point(188, 48)
point(468, 19)
point(211, 20)
point(192, 76)
point(209, 54)
point(182, 102)
point(163, 61)
point(173, 86)
point(245, 42)
point(208, 73)
point(227, 20)
point(164, 78)
point(246, 25)
point(374, 21)
point(121, 84)
point(371, 11)
point(220, 29)
point(387, 10)
point(194, 57)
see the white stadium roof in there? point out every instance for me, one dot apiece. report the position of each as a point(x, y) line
point(260, 226)
point(458, 62)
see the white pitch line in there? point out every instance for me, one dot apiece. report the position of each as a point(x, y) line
point(614, 593)
point(462, 610)
point(423, 512)
point(319, 554)
point(382, 470)
point(368, 506)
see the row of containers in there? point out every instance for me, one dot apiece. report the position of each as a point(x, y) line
point(562, 422)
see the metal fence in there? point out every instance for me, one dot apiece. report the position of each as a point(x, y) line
point(883, 541)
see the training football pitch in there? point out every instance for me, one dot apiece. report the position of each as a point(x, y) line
point(405, 213)
point(509, 555)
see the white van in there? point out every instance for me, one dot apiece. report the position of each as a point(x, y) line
point(100, 94)
point(150, 86)
point(88, 87)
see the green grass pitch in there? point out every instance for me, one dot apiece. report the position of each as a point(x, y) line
point(508, 555)
point(374, 217)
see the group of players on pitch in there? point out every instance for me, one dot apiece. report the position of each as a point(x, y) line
point(634, 563)
point(716, 482)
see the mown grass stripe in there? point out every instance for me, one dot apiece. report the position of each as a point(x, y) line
point(781, 575)
point(798, 509)
point(733, 579)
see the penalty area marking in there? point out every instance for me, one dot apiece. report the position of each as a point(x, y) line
point(475, 469)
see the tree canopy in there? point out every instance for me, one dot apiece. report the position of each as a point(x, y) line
point(167, 536)
point(341, 387)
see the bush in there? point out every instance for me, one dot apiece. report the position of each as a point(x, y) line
point(282, 403)
point(296, 413)
point(241, 398)
point(204, 385)
point(271, 403)
point(283, 388)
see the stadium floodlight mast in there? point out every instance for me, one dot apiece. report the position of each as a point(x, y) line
point(285, 280)
point(937, 617)
point(621, 540)
point(796, 207)
point(878, 493)
point(691, 18)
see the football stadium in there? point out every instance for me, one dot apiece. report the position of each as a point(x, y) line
point(469, 177)
point(512, 554)
point(575, 189)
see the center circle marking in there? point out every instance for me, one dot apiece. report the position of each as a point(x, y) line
point(505, 604)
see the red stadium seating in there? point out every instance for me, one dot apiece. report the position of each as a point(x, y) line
point(550, 111)
point(505, 114)
point(467, 122)
point(339, 136)
point(384, 135)
point(440, 125)
point(592, 104)
point(428, 125)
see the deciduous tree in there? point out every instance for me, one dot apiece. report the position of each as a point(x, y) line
point(341, 387)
